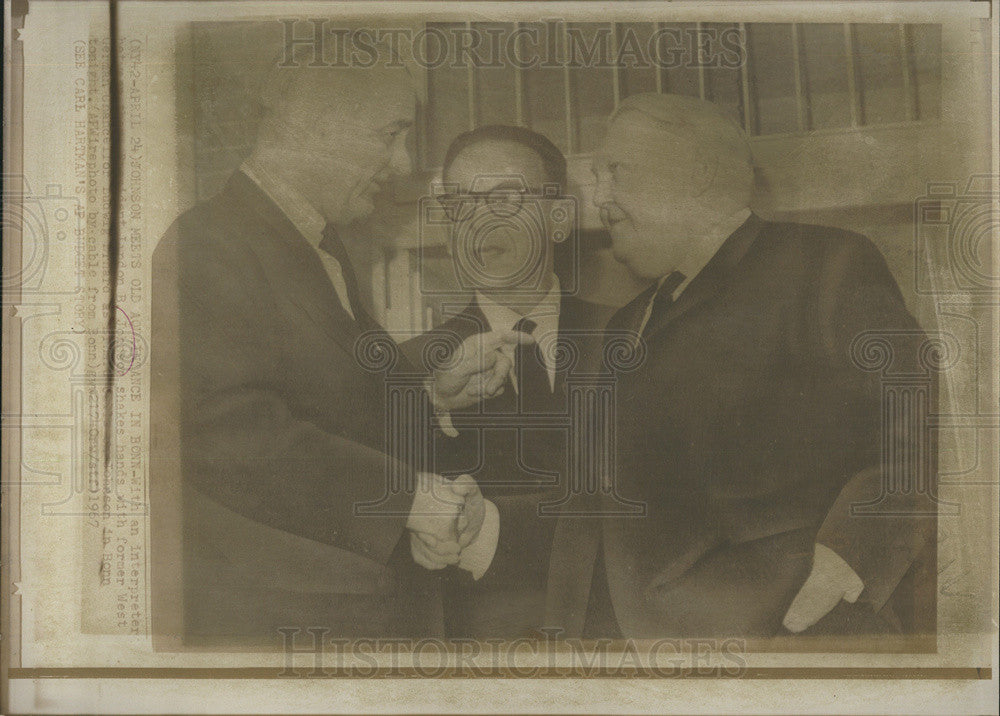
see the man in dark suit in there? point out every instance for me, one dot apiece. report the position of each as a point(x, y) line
point(257, 324)
point(514, 443)
point(753, 431)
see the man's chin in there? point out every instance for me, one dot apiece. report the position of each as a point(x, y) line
point(621, 241)
point(638, 269)
point(360, 208)
point(622, 257)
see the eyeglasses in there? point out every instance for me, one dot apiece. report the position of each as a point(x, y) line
point(501, 202)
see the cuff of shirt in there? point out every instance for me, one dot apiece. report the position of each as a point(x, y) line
point(834, 570)
point(444, 422)
point(478, 556)
point(443, 416)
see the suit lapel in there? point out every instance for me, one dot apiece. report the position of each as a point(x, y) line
point(713, 277)
point(292, 265)
point(473, 320)
point(577, 327)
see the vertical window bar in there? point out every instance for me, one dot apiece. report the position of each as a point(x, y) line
point(568, 95)
point(518, 82)
point(420, 140)
point(616, 86)
point(852, 77)
point(471, 75)
point(745, 79)
point(701, 65)
point(416, 317)
point(657, 27)
point(380, 295)
point(800, 99)
point(909, 88)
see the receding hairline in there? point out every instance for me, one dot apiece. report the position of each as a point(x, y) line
point(667, 126)
point(352, 83)
point(486, 141)
point(693, 118)
point(675, 109)
point(552, 158)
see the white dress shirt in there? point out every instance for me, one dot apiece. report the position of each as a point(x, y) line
point(546, 317)
point(309, 222)
point(477, 557)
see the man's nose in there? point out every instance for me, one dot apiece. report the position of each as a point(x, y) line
point(399, 161)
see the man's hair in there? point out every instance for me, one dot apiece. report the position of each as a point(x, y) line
point(553, 160)
point(701, 120)
point(711, 131)
point(282, 80)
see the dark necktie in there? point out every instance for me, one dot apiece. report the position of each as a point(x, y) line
point(646, 310)
point(332, 245)
point(663, 300)
point(532, 375)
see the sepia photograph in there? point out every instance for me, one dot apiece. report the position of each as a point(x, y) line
point(553, 357)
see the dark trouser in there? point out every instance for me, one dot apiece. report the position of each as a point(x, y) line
point(491, 611)
point(600, 621)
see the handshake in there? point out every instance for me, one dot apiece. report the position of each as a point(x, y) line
point(447, 515)
point(445, 519)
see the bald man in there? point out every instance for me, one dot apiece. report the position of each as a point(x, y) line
point(748, 432)
point(256, 318)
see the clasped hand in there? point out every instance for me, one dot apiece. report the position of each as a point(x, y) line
point(445, 519)
point(478, 371)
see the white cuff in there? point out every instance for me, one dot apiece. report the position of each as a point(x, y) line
point(443, 416)
point(478, 556)
point(834, 570)
point(444, 422)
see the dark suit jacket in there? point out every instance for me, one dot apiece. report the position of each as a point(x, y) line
point(518, 467)
point(749, 432)
point(281, 436)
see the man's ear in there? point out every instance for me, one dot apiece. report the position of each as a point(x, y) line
point(704, 168)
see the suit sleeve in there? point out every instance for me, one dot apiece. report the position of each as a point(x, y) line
point(880, 520)
point(242, 444)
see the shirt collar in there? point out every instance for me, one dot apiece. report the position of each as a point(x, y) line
point(545, 314)
point(705, 248)
point(300, 212)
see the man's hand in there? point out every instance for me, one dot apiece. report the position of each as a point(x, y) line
point(446, 516)
point(428, 552)
point(433, 522)
point(484, 362)
point(470, 519)
point(830, 580)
